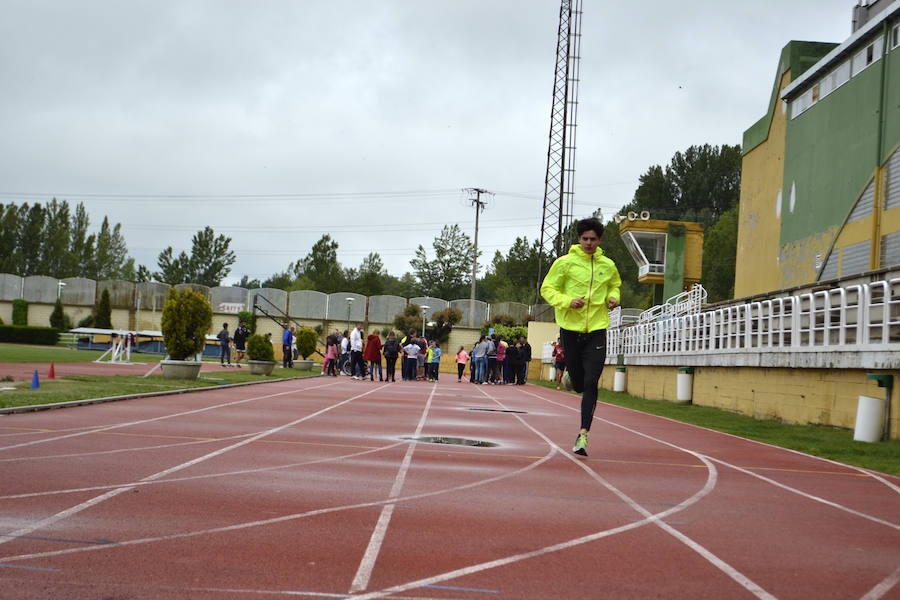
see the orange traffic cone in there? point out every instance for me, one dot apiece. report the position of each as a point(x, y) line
point(52, 373)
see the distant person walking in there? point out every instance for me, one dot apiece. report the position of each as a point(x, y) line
point(287, 344)
point(224, 343)
point(240, 342)
point(583, 286)
point(357, 369)
point(462, 357)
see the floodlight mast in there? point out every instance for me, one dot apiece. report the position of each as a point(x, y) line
point(479, 205)
point(559, 183)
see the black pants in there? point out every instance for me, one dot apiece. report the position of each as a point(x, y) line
point(585, 355)
point(286, 356)
point(390, 363)
point(356, 363)
point(460, 367)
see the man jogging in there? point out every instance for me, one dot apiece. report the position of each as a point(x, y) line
point(582, 287)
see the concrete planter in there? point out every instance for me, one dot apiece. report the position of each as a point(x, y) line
point(303, 365)
point(181, 369)
point(261, 367)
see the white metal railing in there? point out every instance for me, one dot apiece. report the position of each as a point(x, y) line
point(852, 318)
point(685, 303)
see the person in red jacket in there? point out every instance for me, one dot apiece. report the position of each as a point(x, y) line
point(372, 354)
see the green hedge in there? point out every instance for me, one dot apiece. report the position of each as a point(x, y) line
point(45, 336)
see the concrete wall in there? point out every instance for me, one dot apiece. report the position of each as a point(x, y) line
point(308, 304)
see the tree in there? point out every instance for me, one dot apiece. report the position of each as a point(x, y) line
point(211, 258)
point(513, 277)
point(103, 314)
point(54, 257)
point(719, 257)
point(248, 283)
point(111, 255)
point(208, 264)
point(370, 276)
point(443, 320)
point(29, 245)
point(9, 239)
point(410, 318)
point(449, 274)
point(186, 319)
point(321, 266)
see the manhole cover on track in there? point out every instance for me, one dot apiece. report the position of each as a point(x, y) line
point(439, 439)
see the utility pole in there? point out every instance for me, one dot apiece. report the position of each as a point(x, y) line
point(479, 205)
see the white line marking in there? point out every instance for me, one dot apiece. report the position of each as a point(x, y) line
point(367, 565)
point(161, 418)
point(4, 538)
point(884, 587)
point(284, 518)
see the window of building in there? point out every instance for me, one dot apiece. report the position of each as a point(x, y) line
point(867, 56)
point(895, 36)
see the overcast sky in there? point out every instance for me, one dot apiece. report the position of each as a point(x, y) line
point(275, 121)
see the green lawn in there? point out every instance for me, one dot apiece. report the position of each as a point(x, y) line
point(20, 353)
point(826, 442)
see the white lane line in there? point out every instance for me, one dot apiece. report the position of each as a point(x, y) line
point(161, 418)
point(4, 538)
point(741, 579)
point(284, 518)
point(367, 565)
point(133, 484)
point(873, 474)
point(884, 587)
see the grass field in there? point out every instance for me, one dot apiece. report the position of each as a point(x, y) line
point(826, 442)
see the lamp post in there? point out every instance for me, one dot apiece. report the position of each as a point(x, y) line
point(349, 303)
point(59, 286)
point(424, 308)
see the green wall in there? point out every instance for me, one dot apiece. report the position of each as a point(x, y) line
point(831, 152)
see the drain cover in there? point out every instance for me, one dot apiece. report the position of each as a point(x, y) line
point(500, 410)
point(439, 439)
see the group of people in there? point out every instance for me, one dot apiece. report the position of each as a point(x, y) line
point(495, 361)
point(239, 340)
point(420, 359)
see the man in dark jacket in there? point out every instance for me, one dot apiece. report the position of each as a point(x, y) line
point(526, 358)
point(391, 351)
point(240, 342)
point(224, 341)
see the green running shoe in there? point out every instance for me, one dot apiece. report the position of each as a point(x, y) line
point(581, 444)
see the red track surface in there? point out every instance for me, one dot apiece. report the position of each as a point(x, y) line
point(312, 488)
point(25, 371)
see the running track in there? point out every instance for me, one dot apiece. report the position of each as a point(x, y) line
point(312, 488)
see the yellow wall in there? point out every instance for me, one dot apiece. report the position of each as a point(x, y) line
point(759, 226)
point(797, 396)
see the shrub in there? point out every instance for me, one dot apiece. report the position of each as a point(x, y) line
point(57, 317)
point(45, 336)
point(88, 321)
point(103, 314)
point(410, 319)
point(186, 318)
point(508, 333)
point(444, 320)
point(260, 348)
point(307, 339)
point(20, 312)
point(504, 319)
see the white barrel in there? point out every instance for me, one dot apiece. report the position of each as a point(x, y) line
point(619, 380)
point(552, 373)
point(685, 387)
point(869, 419)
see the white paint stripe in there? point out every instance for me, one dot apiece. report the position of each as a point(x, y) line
point(723, 566)
point(874, 474)
point(205, 475)
point(112, 493)
point(282, 519)
point(884, 587)
point(809, 496)
point(367, 565)
point(161, 418)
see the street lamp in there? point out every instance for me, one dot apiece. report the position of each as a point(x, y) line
point(424, 308)
point(349, 302)
point(59, 286)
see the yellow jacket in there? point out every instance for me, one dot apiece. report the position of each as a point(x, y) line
point(578, 274)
